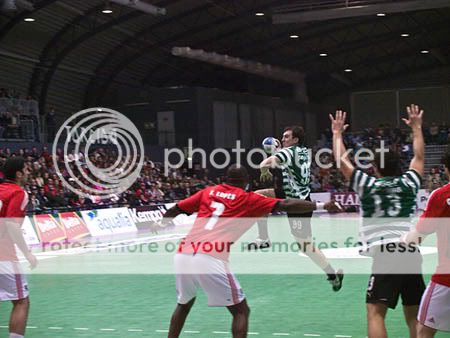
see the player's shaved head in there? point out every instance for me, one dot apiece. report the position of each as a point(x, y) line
point(237, 176)
point(12, 166)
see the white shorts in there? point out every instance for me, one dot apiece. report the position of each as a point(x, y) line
point(13, 283)
point(210, 274)
point(434, 309)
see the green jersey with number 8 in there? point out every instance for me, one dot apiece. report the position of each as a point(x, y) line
point(295, 164)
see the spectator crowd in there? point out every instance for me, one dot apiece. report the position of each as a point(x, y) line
point(18, 116)
point(46, 190)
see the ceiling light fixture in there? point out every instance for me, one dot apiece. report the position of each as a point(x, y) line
point(107, 9)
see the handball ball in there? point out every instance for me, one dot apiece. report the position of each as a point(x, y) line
point(271, 145)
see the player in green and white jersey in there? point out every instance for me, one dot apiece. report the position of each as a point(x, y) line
point(388, 201)
point(294, 159)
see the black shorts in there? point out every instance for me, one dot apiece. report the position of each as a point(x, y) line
point(387, 288)
point(301, 224)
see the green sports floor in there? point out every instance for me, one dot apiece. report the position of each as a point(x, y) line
point(283, 304)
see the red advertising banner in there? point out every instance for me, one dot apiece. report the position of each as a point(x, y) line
point(48, 229)
point(73, 225)
point(349, 200)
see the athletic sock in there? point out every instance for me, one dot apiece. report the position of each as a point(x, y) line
point(263, 232)
point(15, 335)
point(331, 273)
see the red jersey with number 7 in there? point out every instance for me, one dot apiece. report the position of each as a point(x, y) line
point(225, 213)
point(13, 202)
point(436, 218)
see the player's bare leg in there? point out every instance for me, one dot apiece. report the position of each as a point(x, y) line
point(410, 313)
point(262, 241)
point(179, 317)
point(19, 316)
point(240, 313)
point(317, 256)
point(376, 313)
point(424, 331)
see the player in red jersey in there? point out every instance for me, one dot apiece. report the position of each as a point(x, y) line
point(434, 312)
point(225, 213)
point(13, 284)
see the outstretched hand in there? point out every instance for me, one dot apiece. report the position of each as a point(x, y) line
point(333, 206)
point(414, 119)
point(266, 175)
point(338, 122)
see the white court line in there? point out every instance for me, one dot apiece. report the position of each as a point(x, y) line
point(185, 331)
point(40, 258)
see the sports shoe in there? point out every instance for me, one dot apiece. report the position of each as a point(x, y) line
point(259, 244)
point(336, 283)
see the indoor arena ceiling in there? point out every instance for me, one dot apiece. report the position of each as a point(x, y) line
point(134, 48)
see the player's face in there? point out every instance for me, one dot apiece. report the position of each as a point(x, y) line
point(23, 178)
point(288, 140)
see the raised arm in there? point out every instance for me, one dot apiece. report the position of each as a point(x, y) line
point(414, 121)
point(338, 126)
